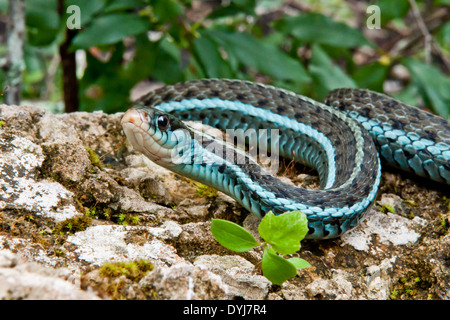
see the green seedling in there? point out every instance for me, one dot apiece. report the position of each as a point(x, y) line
point(281, 234)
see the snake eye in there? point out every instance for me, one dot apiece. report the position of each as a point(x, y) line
point(163, 122)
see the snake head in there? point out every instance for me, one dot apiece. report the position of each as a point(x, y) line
point(158, 135)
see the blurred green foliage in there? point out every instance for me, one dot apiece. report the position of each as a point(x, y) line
point(128, 41)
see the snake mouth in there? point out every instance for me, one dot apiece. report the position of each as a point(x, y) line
point(138, 129)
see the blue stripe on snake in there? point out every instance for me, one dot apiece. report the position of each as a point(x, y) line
point(343, 151)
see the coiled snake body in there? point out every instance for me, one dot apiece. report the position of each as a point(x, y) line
point(325, 136)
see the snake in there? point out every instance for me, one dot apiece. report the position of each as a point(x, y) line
point(346, 139)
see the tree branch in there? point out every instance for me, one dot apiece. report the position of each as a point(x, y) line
point(69, 66)
point(423, 29)
point(14, 63)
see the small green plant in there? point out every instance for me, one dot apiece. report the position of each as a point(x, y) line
point(445, 223)
point(447, 202)
point(281, 234)
point(91, 213)
point(394, 295)
point(73, 225)
point(95, 160)
point(128, 219)
point(387, 207)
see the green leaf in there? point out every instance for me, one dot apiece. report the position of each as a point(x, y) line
point(275, 268)
point(167, 9)
point(434, 85)
point(34, 68)
point(106, 82)
point(317, 28)
point(208, 55)
point(110, 29)
point(42, 14)
point(408, 95)
point(371, 76)
point(142, 65)
point(392, 9)
point(260, 55)
point(234, 7)
point(88, 9)
point(443, 36)
point(168, 67)
point(299, 263)
point(3, 6)
point(232, 236)
point(42, 22)
point(285, 231)
point(326, 75)
point(116, 5)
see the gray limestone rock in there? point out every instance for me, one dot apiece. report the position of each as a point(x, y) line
point(75, 196)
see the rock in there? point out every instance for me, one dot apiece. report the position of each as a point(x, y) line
point(20, 186)
point(22, 120)
point(387, 226)
point(68, 161)
point(379, 279)
point(185, 282)
point(30, 281)
point(238, 274)
point(392, 203)
point(338, 287)
point(435, 260)
point(157, 183)
point(169, 231)
point(290, 291)
point(193, 209)
point(7, 259)
point(75, 196)
point(196, 239)
point(100, 244)
point(251, 224)
point(57, 129)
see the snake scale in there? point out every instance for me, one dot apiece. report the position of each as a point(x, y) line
point(345, 153)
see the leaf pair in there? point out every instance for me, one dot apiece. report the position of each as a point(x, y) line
point(281, 233)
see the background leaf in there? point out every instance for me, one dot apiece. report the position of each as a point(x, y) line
point(115, 5)
point(392, 9)
point(234, 7)
point(434, 84)
point(42, 21)
point(168, 68)
point(110, 29)
point(208, 54)
point(262, 56)
point(166, 9)
point(326, 75)
point(88, 9)
point(317, 28)
point(371, 76)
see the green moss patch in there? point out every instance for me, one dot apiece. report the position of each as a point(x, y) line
point(133, 270)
